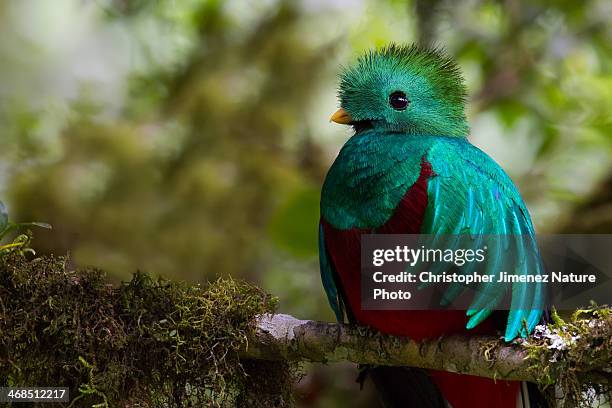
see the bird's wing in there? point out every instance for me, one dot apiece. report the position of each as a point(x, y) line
point(471, 194)
point(328, 278)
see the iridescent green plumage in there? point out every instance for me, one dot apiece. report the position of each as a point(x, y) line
point(467, 194)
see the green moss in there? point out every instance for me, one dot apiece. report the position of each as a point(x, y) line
point(575, 355)
point(144, 343)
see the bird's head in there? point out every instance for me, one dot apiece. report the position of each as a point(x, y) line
point(407, 89)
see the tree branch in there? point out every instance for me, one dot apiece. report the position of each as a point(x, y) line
point(283, 337)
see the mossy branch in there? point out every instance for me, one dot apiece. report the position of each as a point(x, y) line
point(147, 342)
point(159, 343)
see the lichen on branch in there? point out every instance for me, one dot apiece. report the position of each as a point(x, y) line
point(575, 355)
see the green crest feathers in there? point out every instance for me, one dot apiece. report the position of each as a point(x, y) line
point(431, 79)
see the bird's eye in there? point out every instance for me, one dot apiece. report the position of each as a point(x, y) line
point(398, 100)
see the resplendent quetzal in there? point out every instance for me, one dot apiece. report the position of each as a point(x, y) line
point(409, 169)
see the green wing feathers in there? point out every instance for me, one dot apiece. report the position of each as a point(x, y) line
point(471, 194)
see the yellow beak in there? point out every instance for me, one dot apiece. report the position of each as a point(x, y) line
point(341, 116)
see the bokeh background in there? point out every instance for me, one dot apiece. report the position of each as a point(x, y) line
point(190, 138)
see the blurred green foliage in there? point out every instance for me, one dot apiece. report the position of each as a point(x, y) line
point(185, 185)
point(189, 139)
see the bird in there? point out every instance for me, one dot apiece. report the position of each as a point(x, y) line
point(409, 168)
